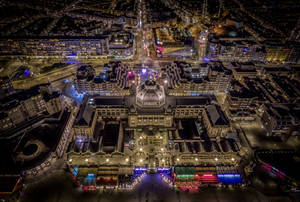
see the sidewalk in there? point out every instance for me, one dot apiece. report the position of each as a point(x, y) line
point(58, 165)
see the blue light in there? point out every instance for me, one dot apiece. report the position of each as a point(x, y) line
point(73, 55)
point(245, 49)
point(205, 59)
point(91, 175)
point(144, 70)
point(233, 34)
point(195, 94)
point(230, 178)
point(75, 171)
point(27, 72)
point(72, 62)
point(140, 169)
point(163, 169)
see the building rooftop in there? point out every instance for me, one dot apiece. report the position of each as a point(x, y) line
point(216, 115)
point(85, 114)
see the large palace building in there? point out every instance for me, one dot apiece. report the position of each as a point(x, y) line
point(116, 136)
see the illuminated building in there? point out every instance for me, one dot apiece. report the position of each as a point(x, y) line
point(215, 121)
point(280, 52)
point(114, 81)
point(115, 135)
point(186, 79)
point(121, 44)
point(280, 119)
point(6, 87)
point(234, 49)
point(241, 102)
point(150, 94)
point(246, 69)
point(113, 44)
point(28, 104)
point(55, 46)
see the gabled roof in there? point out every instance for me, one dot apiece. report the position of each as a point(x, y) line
point(216, 116)
point(85, 115)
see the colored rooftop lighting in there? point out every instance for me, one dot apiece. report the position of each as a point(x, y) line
point(91, 175)
point(163, 169)
point(206, 59)
point(245, 49)
point(140, 168)
point(230, 178)
point(27, 72)
point(144, 71)
point(208, 178)
point(185, 176)
point(71, 55)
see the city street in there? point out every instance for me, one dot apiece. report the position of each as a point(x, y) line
point(256, 135)
point(59, 186)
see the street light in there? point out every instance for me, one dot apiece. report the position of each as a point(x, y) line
point(232, 159)
point(160, 137)
point(162, 149)
point(177, 159)
point(141, 149)
point(126, 159)
point(86, 160)
point(196, 159)
point(107, 160)
point(141, 160)
point(163, 160)
point(70, 160)
point(216, 159)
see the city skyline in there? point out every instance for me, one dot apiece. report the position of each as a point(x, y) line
point(149, 100)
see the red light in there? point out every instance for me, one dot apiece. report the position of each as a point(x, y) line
point(267, 167)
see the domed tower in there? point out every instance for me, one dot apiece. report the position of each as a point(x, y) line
point(150, 95)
